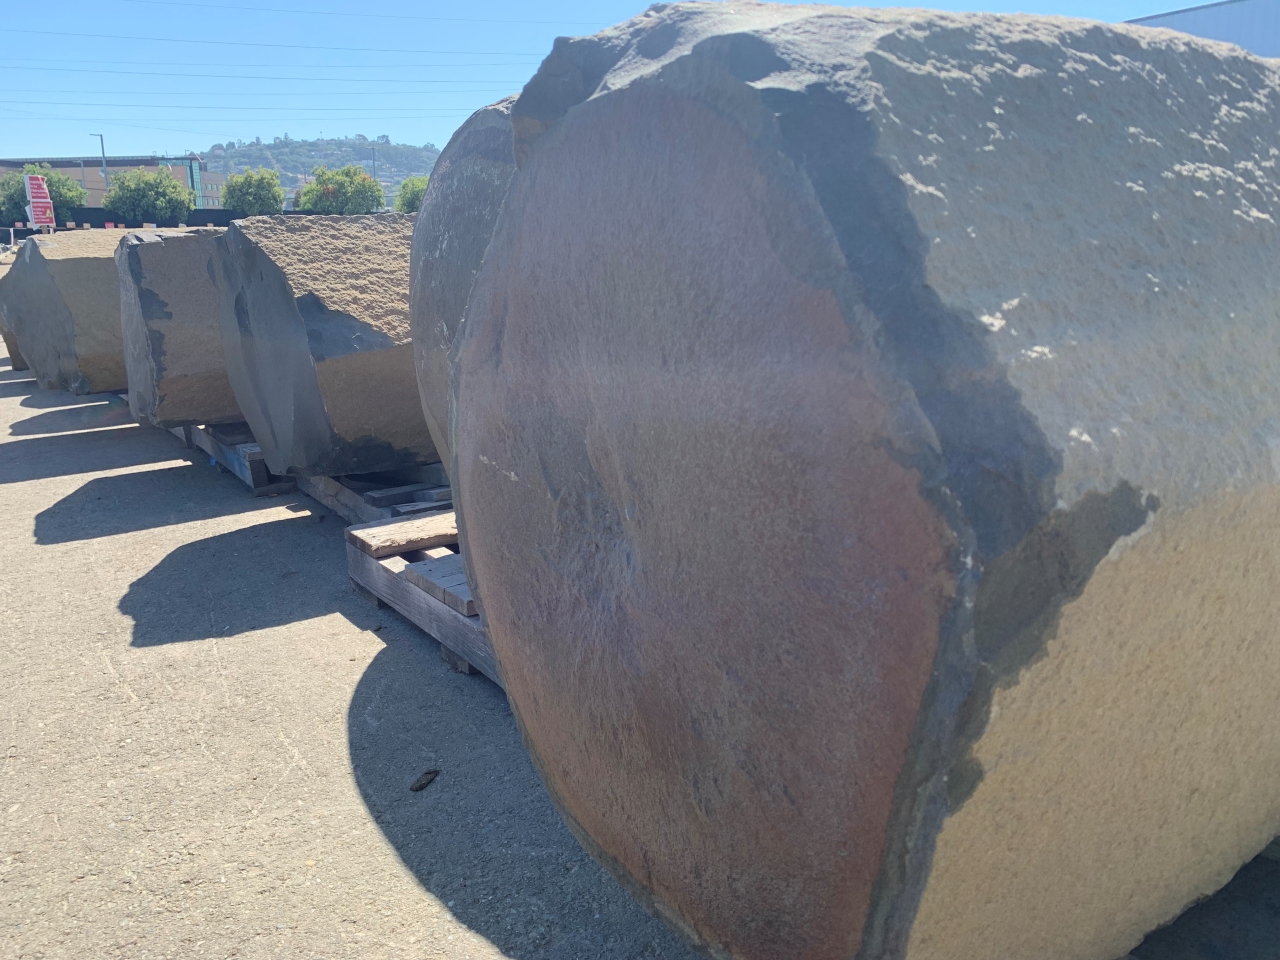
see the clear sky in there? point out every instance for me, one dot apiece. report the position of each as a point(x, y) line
point(171, 76)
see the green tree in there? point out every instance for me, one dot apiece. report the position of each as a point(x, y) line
point(138, 196)
point(65, 193)
point(347, 191)
point(409, 196)
point(254, 193)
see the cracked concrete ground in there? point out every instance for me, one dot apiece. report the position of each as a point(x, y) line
point(207, 739)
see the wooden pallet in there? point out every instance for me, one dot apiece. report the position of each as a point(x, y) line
point(231, 446)
point(412, 565)
point(364, 498)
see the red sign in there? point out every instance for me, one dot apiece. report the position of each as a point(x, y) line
point(39, 204)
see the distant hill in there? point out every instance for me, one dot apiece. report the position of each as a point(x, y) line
point(296, 158)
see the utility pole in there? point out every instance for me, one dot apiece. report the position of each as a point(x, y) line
point(103, 144)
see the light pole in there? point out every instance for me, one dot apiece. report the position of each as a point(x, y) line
point(103, 144)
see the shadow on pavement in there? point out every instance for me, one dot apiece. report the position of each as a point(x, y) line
point(66, 418)
point(261, 576)
point(105, 506)
point(39, 458)
point(483, 837)
point(1240, 922)
point(17, 384)
point(37, 399)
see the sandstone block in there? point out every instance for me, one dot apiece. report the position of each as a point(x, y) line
point(315, 328)
point(169, 317)
point(16, 360)
point(867, 447)
point(451, 234)
point(61, 302)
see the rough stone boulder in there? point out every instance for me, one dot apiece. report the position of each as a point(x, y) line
point(16, 361)
point(314, 313)
point(62, 305)
point(169, 315)
point(455, 222)
point(867, 446)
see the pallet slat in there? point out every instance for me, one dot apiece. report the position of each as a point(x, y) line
point(462, 635)
point(233, 447)
point(383, 538)
point(406, 493)
point(446, 580)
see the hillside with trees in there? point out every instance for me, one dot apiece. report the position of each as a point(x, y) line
point(295, 159)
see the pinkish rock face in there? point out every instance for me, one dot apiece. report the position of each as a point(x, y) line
point(691, 532)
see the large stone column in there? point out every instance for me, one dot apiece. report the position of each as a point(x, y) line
point(169, 315)
point(455, 222)
point(867, 446)
point(315, 325)
point(62, 304)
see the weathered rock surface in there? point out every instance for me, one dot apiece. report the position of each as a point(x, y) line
point(315, 327)
point(16, 360)
point(169, 316)
point(867, 445)
point(62, 305)
point(451, 234)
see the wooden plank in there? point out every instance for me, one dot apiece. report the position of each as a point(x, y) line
point(411, 509)
point(434, 575)
point(459, 597)
point(445, 579)
point(463, 635)
point(434, 495)
point(390, 496)
point(384, 538)
point(344, 502)
point(251, 470)
point(231, 434)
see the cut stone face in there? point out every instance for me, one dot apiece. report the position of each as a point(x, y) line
point(62, 304)
point(169, 314)
point(315, 327)
point(16, 360)
point(866, 430)
point(456, 220)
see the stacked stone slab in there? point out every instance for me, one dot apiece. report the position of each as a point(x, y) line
point(16, 360)
point(315, 328)
point(456, 220)
point(62, 305)
point(867, 446)
point(169, 315)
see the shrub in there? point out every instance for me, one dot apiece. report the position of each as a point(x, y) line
point(149, 197)
point(347, 191)
point(409, 196)
point(65, 193)
point(254, 193)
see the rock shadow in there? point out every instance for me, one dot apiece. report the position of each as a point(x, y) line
point(1240, 922)
point(262, 576)
point(125, 503)
point(39, 458)
point(483, 836)
point(17, 384)
point(40, 399)
point(96, 413)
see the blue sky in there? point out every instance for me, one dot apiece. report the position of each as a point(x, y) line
point(168, 76)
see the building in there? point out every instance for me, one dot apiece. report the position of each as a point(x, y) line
point(190, 171)
point(1251, 24)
